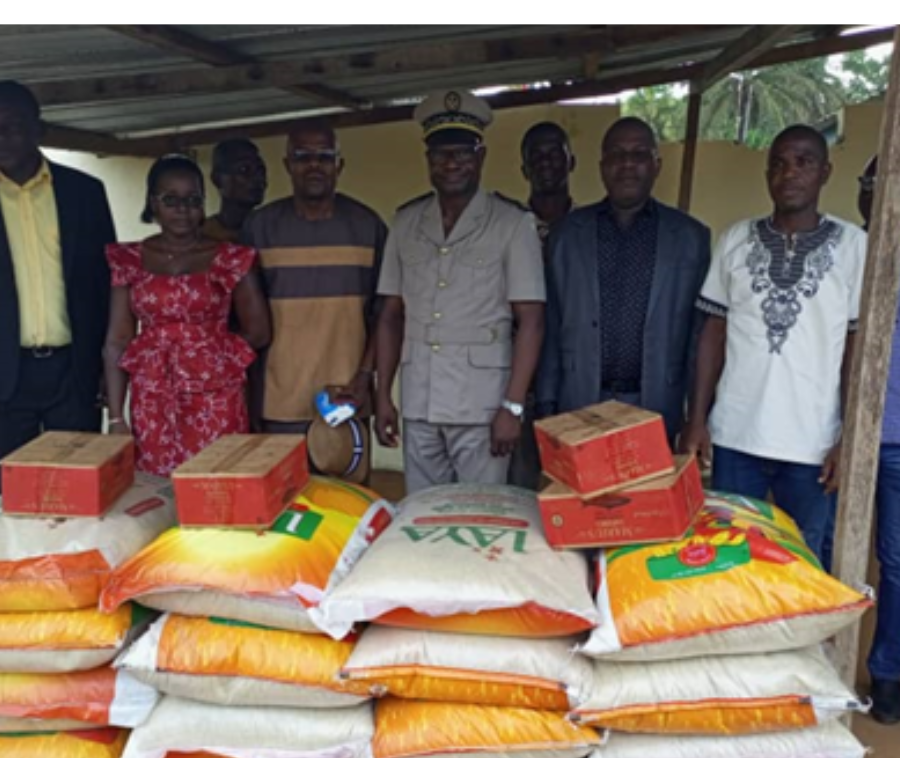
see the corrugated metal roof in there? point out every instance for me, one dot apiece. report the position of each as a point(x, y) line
point(41, 54)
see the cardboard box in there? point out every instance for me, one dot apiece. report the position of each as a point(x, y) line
point(603, 447)
point(67, 474)
point(242, 481)
point(660, 510)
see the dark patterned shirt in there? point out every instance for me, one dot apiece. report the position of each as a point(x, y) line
point(626, 259)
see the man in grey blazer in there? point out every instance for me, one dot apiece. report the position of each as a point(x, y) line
point(622, 279)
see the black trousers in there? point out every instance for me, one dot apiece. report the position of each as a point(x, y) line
point(46, 399)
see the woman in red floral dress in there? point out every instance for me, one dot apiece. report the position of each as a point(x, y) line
point(187, 368)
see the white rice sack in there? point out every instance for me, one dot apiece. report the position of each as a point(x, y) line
point(473, 559)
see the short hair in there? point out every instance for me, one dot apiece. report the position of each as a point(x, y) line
point(805, 132)
point(18, 95)
point(630, 122)
point(166, 165)
point(314, 126)
point(543, 129)
point(223, 153)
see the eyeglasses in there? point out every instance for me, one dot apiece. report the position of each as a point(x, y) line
point(246, 169)
point(306, 157)
point(867, 183)
point(618, 157)
point(188, 202)
point(441, 156)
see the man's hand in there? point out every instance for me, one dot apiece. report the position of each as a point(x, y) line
point(387, 422)
point(505, 432)
point(358, 390)
point(831, 470)
point(695, 441)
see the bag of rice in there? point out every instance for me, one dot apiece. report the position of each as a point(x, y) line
point(234, 663)
point(51, 564)
point(828, 741)
point(473, 559)
point(268, 578)
point(741, 581)
point(84, 699)
point(188, 727)
point(407, 728)
point(54, 642)
point(746, 694)
point(98, 743)
point(506, 671)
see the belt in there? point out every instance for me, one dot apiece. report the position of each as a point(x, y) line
point(432, 334)
point(43, 351)
point(622, 387)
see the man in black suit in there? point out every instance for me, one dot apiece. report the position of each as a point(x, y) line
point(54, 282)
point(622, 279)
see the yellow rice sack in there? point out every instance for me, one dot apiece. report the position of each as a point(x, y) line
point(829, 741)
point(506, 671)
point(80, 700)
point(50, 564)
point(270, 578)
point(61, 641)
point(234, 663)
point(741, 581)
point(742, 694)
point(407, 728)
point(99, 743)
point(473, 560)
point(188, 728)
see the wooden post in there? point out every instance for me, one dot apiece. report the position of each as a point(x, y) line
point(689, 156)
point(862, 432)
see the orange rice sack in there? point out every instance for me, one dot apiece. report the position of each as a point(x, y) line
point(741, 694)
point(829, 741)
point(268, 578)
point(49, 564)
point(99, 743)
point(473, 560)
point(189, 728)
point(84, 699)
point(741, 581)
point(408, 728)
point(517, 672)
point(234, 663)
point(62, 641)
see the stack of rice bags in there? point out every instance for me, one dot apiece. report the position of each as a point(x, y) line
point(473, 621)
point(712, 646)
point(59, 696)
point(244, 670)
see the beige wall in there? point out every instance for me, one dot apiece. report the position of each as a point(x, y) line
point(385, 167)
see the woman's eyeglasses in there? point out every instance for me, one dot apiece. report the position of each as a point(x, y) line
point(188, 202)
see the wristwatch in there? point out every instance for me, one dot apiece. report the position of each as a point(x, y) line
point(516, 409)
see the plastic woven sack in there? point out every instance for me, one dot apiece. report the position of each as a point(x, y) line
point(742, 581)
point(506, 671)
point(406, 728)
point(85, 699)
point(62, 641)
point(474, 560)
point(49, 564)
point(99, 743)
point(829, 741)
point(233, 663)
point(269, 578)
point(186, 727)
point(746, 694)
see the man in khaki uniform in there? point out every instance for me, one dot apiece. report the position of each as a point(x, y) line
point(461, 267)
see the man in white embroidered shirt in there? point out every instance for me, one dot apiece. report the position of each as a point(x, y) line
point(782, 296)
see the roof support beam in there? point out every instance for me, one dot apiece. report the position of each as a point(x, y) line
point(81, 140)
point(176, 40)
point(742, 53)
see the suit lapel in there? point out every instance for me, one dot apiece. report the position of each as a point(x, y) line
point(67, 222)
point(666, 252)
point(471, 218)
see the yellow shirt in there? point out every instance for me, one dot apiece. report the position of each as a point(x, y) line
point(32, 228)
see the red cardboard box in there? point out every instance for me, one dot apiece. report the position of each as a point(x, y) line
point(68, 474)
point(660, 510)
point(603, 447)
point(242, 481)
